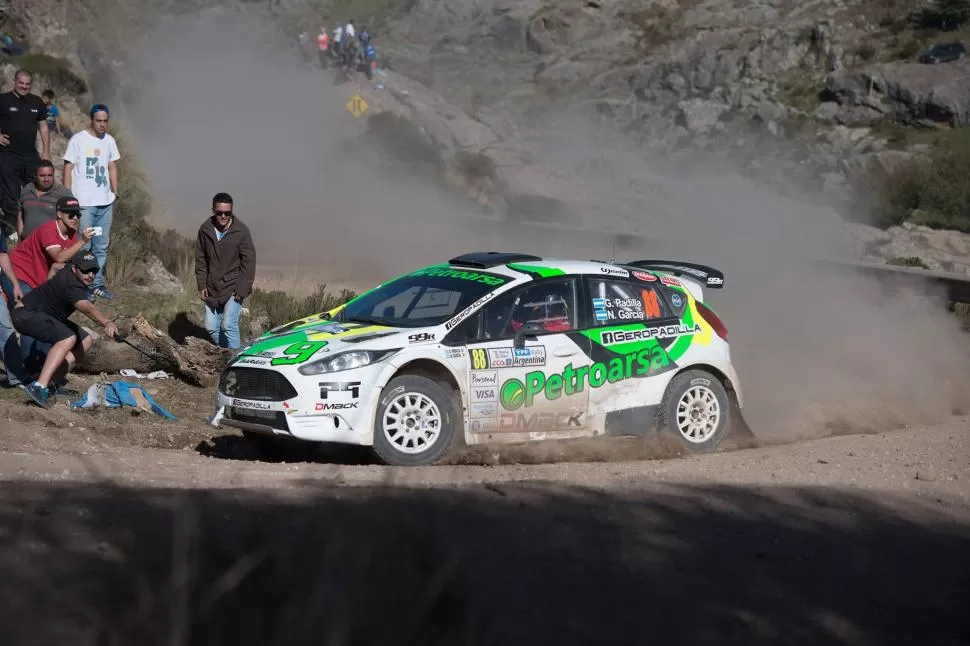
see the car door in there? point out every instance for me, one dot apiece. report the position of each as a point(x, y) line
point(632, 322)
point(522, 363)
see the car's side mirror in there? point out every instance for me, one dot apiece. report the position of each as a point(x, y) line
point(529, 330)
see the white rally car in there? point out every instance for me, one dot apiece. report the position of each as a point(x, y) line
point(495, 348)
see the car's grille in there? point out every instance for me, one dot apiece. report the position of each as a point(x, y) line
point(274, 419)
point(256, 383)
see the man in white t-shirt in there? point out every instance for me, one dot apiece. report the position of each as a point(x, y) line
point(91, 173)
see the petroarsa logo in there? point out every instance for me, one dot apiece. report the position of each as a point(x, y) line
point(512, 395)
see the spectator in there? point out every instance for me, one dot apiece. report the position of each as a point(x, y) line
point(225, 268)
point(54, 115)
point(22, 114)
point(9, 343)
point(37, 258)
point(91, 172)
point(54, 243)
point(44, 314)
point(38, 200)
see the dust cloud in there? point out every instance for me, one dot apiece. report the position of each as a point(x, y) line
point(817, 350)
point(226, 105)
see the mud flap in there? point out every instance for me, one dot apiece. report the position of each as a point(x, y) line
point(739, 426)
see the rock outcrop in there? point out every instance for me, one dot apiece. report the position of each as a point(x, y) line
point(910, 93)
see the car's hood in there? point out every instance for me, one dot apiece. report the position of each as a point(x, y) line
point(314, 341)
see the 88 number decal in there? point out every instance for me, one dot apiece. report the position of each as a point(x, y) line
point(479, 359)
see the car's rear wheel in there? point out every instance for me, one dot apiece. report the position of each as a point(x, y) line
point(415, 422)
point(696, 409)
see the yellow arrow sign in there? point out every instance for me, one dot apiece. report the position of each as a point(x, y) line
point(356, 105)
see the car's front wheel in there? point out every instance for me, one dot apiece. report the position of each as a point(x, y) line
point(696, 409)
point(415, 422)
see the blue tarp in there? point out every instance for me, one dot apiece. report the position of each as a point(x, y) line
point(117, 394)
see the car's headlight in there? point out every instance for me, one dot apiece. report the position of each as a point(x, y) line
point(345, 361)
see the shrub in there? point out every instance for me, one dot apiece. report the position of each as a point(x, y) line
point(403, 139)
point(279, 307)
point(934, 193)
point(475, 166)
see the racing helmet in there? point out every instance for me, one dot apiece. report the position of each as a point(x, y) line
point(550, 311)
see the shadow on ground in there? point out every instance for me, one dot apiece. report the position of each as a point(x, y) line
point(505, 564)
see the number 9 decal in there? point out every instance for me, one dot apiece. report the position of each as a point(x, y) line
point(299, 352)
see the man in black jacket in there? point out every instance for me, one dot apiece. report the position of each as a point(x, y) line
point(44, 314)
point(225, 269)
point(22, 115)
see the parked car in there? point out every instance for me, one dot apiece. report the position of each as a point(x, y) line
point(943, 53)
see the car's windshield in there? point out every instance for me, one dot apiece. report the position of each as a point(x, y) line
point(427, 297)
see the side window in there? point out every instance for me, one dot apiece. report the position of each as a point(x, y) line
point(617, 302)
point(550, 304)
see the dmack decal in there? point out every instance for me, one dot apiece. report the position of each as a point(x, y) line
point(515, 393)
point(539, 421)
point(659, 332)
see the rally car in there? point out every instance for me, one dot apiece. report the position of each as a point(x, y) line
point(495, 347)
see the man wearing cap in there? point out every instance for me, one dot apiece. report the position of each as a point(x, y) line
point(51, 245)
point(34, 261)
point(91, 173)
point(44, 314)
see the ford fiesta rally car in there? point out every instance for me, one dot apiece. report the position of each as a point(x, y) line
point(495, 348)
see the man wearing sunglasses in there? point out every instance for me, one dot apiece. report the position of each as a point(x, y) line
point(225, 269)
point(44, 314)
point(51, 245)
point(34, 261)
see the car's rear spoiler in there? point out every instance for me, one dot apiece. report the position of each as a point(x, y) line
point(711, 277)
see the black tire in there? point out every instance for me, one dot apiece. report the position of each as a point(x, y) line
point(692, 384)
point(413, 387)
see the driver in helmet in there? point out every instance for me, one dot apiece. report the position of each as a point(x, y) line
point(551, 312)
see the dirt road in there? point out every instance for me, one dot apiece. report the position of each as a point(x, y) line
point(860, 539)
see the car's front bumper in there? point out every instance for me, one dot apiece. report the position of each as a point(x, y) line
point(324, 408)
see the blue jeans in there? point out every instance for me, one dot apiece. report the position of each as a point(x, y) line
point(97, 216)
point(23, 358)
point(223, 324)
point(9, 343)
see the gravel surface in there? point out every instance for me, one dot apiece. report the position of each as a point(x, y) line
point(855, 539)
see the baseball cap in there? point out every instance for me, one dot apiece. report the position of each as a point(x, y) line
point(68, 204)
point(85, 261)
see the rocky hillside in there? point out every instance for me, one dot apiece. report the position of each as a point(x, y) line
point(822, 99)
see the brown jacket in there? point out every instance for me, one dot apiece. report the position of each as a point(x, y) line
point(226, 266)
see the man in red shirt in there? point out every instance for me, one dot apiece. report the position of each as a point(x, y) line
point(50, 245)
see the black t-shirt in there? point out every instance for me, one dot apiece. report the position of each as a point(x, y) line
point(19, 117)
point(58, 295)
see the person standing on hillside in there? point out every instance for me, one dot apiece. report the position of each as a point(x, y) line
point(22, 116)
point(91, 172)
point(225, 269)
point(38, 199)
point(323, 47)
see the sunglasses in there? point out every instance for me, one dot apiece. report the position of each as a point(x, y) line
point(72, 216)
